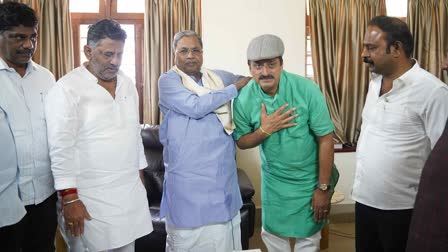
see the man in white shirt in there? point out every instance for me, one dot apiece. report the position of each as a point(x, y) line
point(23, 85)
point(403, 117)
point(96, 149)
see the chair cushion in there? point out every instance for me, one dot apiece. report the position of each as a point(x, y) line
point(150, 136)
point(246, 187)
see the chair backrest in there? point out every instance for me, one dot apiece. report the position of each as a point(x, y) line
point(155, 171)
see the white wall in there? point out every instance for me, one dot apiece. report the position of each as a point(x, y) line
point(346, 164)
point(227, 28)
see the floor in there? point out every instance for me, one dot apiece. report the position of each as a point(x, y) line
point(341, 239)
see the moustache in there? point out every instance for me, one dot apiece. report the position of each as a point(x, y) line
point(113, 68)
point(27, 51)
point(366, 60)
point(266, 77)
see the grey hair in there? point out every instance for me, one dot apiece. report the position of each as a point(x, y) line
point(188, 33)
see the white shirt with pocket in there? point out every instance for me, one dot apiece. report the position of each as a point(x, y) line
point(398, 131)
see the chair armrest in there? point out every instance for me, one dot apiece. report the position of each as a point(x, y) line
point(246, 187)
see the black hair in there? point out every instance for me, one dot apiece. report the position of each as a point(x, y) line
point(15, 14)
point(105, 28)
point(396, 31)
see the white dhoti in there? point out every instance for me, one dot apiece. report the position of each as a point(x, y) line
point(221, 237)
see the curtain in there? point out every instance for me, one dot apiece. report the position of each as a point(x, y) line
point(337, 30)
point(163, 19)
point(55, 37)
point(428, 22)
point(55, 43)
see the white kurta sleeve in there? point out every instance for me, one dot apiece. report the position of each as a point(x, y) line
point(62, 126)
point(142, 164)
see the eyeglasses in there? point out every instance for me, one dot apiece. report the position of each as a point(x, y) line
point(185, 51)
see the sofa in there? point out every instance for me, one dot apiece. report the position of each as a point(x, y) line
point(154, 175)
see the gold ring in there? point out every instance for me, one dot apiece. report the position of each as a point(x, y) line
point(325, 211)
point(70, 223)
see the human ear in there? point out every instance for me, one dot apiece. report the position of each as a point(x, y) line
point(88, 52)
point(396, 48)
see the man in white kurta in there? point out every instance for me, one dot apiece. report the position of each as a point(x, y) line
point(96, 148)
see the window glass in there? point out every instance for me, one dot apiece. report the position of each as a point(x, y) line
point(82, 41)
point(84, 6)
point(128, 61)
point(133, 6)
point(309, 72)
point(307, 7)
point(397, 8)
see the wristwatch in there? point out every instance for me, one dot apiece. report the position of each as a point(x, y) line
point(323, 187)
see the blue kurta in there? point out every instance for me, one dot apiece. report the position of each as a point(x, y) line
point(201, 183)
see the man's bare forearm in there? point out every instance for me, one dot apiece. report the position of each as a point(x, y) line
point(326, 158)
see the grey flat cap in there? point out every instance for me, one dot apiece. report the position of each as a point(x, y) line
point(266, 46)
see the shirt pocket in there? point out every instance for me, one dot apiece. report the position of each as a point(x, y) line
point(301, 129)
point(129, 109)
point(398, 116)
point(36, 106)
point(43, 95)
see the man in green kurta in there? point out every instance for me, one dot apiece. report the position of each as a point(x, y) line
point(287, 116)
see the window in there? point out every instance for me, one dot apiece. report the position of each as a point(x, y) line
point(309, 72)
point(131, 17)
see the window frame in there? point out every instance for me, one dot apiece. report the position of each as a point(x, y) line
point(308, 50)
point(108, 9)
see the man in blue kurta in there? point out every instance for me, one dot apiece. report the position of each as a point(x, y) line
point(201, 198)
point(287, 116)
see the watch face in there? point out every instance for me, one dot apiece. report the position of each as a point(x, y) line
point(323, 187)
